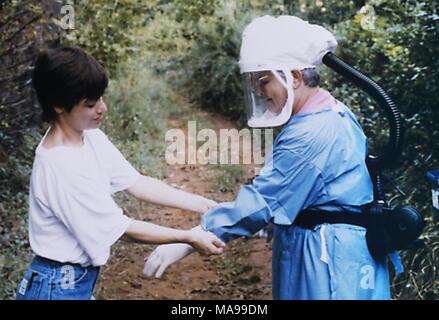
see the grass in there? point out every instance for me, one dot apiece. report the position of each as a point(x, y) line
point(139, 106)
point(228, 178)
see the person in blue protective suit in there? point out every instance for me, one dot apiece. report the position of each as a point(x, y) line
point(317, 163)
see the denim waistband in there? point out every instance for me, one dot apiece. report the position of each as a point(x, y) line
point(57, 264)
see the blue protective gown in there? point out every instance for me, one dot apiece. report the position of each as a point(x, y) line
point(318, 161)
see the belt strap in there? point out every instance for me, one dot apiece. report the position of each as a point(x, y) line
point(55, 263)
point(310, 218)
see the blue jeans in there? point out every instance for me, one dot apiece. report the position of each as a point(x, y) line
point(51, 280)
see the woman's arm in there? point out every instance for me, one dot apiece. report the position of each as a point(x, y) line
point(155, 191)
point(204, 242)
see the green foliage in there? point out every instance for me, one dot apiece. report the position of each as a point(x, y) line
point(107, 29)
point(24, 29)
point(213, 60)
point(139, 105)
point(20, 33)
point(199, 50)
point(228, 178)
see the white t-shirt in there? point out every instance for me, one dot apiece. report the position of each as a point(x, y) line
point(72, 215)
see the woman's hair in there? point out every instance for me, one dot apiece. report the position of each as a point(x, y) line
point(64, 76)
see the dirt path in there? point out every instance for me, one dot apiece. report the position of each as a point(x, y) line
point(242, 272)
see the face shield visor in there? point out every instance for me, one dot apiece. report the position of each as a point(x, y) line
point(269, 97)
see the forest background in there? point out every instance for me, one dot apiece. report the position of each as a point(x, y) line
point(155, 50)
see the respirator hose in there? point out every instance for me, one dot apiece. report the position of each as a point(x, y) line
point(394, 145)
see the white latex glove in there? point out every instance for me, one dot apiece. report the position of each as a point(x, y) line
point(164, 256)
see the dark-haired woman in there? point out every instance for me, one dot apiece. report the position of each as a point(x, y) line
point(73, 219)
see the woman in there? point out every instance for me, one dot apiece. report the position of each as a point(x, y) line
point(73, 220)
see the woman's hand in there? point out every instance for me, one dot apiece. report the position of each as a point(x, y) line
point(205, 242)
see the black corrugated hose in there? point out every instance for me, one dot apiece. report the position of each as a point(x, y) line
point(394, 145)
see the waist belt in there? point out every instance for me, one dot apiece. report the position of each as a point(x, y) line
point(387, 229)
point(58, 264)
point(310, 218)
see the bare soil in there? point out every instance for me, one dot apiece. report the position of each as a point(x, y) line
point(242, 272)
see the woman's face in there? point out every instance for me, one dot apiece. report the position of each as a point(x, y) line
point(272, 89)
point(87, 114)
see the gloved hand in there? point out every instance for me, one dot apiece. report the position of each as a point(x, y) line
point(164, 256)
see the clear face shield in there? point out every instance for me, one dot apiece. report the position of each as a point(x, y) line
point(269, 97)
